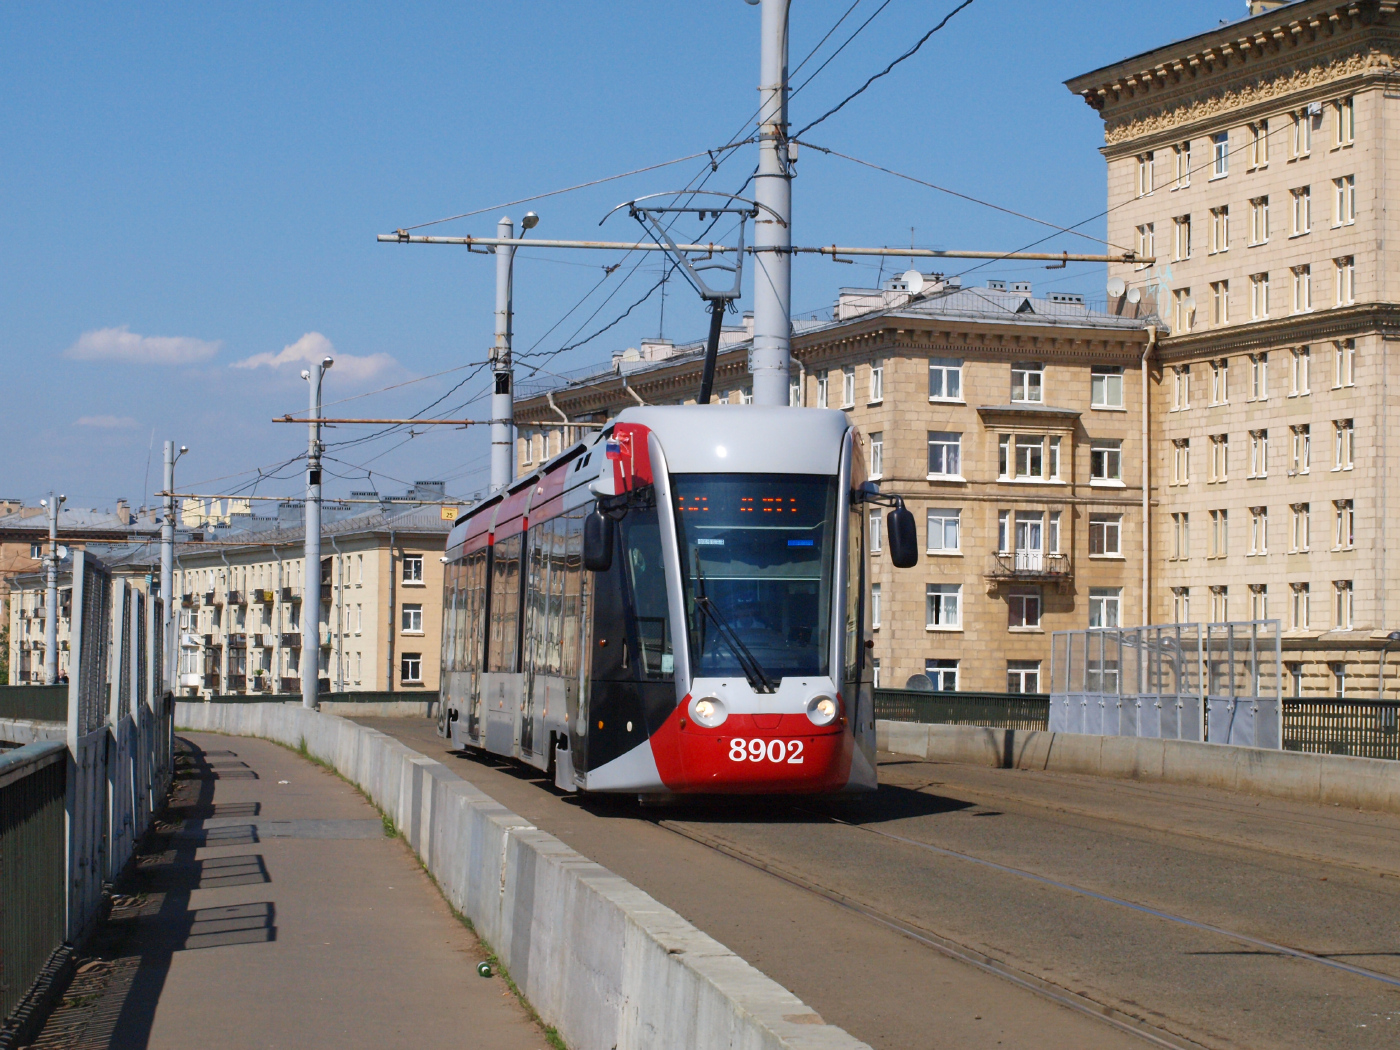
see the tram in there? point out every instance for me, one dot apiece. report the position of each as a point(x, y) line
point(675, 605)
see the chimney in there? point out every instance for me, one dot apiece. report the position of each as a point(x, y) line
point(123, 512)
point(1258, 7)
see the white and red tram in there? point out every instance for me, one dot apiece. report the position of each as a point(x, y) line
point(677, 605)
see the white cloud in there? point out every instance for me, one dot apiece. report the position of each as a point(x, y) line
point(312, 347)
point(108, 422)
point(126, 347)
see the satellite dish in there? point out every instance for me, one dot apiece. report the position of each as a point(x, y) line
point(1134, 295)
point(62, 552)
point(1189, 305)
point(1116, 287)
point(915, 281)
point(920, 683)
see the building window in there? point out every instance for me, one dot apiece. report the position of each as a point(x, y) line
point(943, 674)
point(1181, 387)
point(1181, 461)
point(942, 603)
point(413, 568)
point(1104, 605)
point(1181, 604)
point(943, 529)
point(1181, 537)
point(1300, 527)
point(1146, 173)
point(944, 379)
point(875, 606)
point(1105, 461)
point(1026, 455)
point(1342, 611)
point(1259, 145)
point(1181, 241)
point(1220, 381)
point(1182, 153)
point(36, 551)
point(1258, 377)
point(413, 619)
point(1344, 363)
point(1342, 445)
point(877, 454)
point(1258, 296)
point(877, 382)
point(1106, 386)
point(1301, 435)
point(359, 617)
point(1028, 382)
point(876, 531)
point(944, 454)
point(1146, 244)
point(1220, 154)
point(1344, 537)
point(1339, 679)
point(823, 388)
point(1258, 453)
point(1183, 310)
point(1299, 613)
point(1302, 211)
point(1219, 533)
point(1219, 604)
point(1344, 196)
point(1220, 229)
point(794, 393)
point(1295, 675)
point(1302, 134)
point(746, 395)
point(411, 668)
point(527, 442)
point(875, 672)
point(1300, 374)
point(1302, 289)
point(1346, 279)
point(1259, 220)
point(848, 387)
point(1345, 111)
point(1220, 302)
point(1023, 608)
point(1258, 530)
point(1258, 601)
point(1106, 534)
point(1023, 676)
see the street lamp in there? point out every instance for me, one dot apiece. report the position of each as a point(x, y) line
point(311, 578)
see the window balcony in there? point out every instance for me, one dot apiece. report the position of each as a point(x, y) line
point(290, 595)
point(291, 639)
point(211, 681)
point(290, 685)
point(325, 594)
point(1029, 567)
point(236, 598)
point(237, 683)
point(210, 598)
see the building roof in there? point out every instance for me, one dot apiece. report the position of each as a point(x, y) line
point(78, 520)
point(415, 519)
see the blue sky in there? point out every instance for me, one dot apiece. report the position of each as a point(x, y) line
point(192, 194)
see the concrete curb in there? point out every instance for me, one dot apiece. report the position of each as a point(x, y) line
point(1358, 783)
point(601, 961)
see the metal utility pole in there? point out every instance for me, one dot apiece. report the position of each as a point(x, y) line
point(502, 398)
point(51, 594)
point(311, 577)
point(167, 565)
point(770, 358)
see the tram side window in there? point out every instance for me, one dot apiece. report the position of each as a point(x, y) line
point(536, 594)
point(450, 618)
point(855, 592)
point(505, 605)
point(474, 591)
point(646, 578)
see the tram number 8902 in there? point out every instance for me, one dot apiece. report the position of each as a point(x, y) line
point(756, 750)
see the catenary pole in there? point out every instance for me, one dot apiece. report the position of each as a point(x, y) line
point(502, 407)
point(51, 596)
point(311, 576)
point(167, 568)
point(770, 358)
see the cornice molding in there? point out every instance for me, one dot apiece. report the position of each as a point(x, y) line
point(1294, 330)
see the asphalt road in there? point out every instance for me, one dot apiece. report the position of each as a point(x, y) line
point(1205, 917)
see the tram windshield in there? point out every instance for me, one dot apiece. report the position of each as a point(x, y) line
point(761, 549)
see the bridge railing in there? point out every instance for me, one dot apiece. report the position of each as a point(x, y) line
point(995, 710)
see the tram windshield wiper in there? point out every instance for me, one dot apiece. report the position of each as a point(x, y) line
point(759, 681)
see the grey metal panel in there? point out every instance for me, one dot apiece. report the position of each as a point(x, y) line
point(501, 696)
point(719, 439)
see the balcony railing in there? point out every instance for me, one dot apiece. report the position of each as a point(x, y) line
point(236, 598)
point(211, 681)
point(209, 597)
point(290, 595)
point(291, 639)
point(1029, 565)
point(325, 594)
point(237, 683)
point(290, 685)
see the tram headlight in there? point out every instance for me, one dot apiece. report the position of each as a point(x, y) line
point(708, 711)
point(822, 710)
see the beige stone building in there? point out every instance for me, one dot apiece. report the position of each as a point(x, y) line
point(1010, 424)
point(1253, 161)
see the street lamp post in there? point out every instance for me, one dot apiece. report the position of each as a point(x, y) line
point(51, 592)
point(311, 578)
point(167, 567)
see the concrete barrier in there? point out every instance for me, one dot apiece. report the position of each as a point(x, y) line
point(31, 731)
point(380, 708)
point(601, 961)
point(1358, 783)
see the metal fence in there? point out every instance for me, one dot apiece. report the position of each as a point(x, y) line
point(32, 848)
point(996, 710)
point(42, 703)
point(378, 696)
point(1363, 728)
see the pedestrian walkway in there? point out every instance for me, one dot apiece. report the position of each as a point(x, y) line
point(273, 910)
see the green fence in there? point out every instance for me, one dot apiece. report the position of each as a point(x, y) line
point(33, 844)
point(997, 710)
point(43, 703)
point(1363, 728)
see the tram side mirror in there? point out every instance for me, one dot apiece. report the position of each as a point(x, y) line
point(597, 542)
point(904, 540)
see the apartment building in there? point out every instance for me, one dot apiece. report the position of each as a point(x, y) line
point(1251, 160)
point(1012, 426)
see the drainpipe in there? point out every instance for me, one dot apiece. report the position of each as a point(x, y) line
point(390, 669)
point(635, 396)
point(549, 396)
point(1146, 475)
point(801, 384)
point(338, 606)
